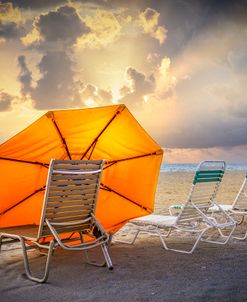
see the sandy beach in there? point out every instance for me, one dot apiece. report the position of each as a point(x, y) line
point(142, 272)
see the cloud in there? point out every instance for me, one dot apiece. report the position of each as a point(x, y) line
point(144, 91)
point(138, 81)
point(53, 34)
point(148, 21)
point(25, 76)
point(10, 21)
point(9, 31)
point(202, 93)
point(104, 30)
point(32, 37)
point(10, 14)
point(165, 81)
point(54, 88)
point(91, 96)
point(138, 86)
point(5, 101)
point(62, 26)
point(36, 4)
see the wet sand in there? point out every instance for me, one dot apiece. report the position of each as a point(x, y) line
point(142, 272)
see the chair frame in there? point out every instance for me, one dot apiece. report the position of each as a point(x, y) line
point(193, 217)
point(237, 209)
point(49, 233)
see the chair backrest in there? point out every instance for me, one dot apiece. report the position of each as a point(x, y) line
point(71, 194)
point(240, 202)
point(204, 188)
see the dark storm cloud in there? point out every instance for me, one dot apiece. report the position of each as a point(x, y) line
point(54, 89)
point(35, 4)
point(10, 30)
point(63, 24)
point(59, 30)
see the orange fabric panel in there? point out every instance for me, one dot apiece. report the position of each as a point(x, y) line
point(136, 179)
point(38, 142)
point(124, 138)
point(19, 180)
point(28, 212)
point(113, 210)
point(81, 127)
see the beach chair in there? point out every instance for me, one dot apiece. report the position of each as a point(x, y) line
point(193, 217)
point(67, 218)
point(238, 209)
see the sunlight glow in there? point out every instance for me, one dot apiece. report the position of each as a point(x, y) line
point(89, 102)
point(146, 98)
point(116, 96)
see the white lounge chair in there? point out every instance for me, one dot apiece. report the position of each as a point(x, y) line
point(238, 209)
point(194, 217)
point(68, 214)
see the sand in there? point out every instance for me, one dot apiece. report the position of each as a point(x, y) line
point(143, 272)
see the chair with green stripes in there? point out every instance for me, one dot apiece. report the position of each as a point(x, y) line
point(67, 218)
point(194, 217)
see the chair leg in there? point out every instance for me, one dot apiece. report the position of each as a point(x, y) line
point(131, 241)
point(1, 241)
point(240, 238)
point(221, 235)
point(240, 223)
point(105, 250)
point(106, 261)
point(181, 250)
point(107, 256)
point(26, 262)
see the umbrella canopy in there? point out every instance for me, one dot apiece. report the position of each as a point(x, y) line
point(130, 175)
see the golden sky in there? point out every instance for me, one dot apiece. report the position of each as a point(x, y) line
point(179, 66)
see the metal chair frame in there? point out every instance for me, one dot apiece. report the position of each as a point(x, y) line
point(193, 217)
point(71, 192)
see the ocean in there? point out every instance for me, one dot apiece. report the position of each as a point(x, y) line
point(192, 167)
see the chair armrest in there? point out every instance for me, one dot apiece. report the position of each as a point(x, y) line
point(71, 223)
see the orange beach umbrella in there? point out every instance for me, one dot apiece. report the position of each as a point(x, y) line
point(111, 133)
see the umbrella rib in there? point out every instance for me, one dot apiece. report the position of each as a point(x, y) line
point(106, 188)
point(62, 138)
point(24, 199)
point(89, 157)
point(92, 145)
point(113, 162)
point(25, 161)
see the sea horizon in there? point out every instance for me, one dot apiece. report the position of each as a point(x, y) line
point(191, 167)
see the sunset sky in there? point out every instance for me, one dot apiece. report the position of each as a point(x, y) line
point(180, 66)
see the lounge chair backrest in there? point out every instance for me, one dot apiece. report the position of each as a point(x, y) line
point(205, 186)
point(71, 194)
point(240, 202)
